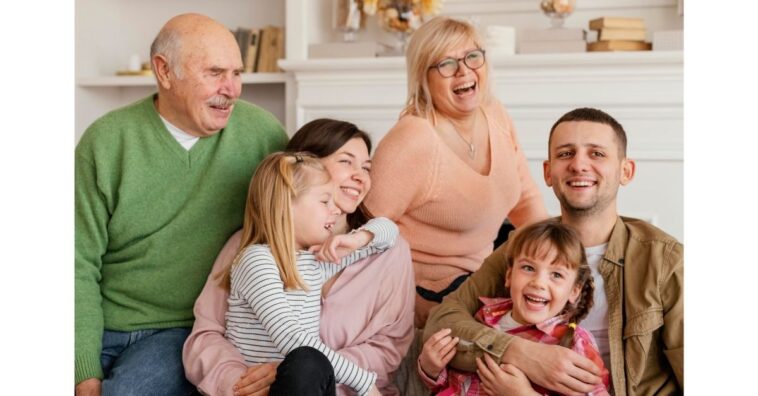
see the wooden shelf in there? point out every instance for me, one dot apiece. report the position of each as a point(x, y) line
point(148, 81)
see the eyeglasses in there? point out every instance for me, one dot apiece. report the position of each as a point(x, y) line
point(449, 66)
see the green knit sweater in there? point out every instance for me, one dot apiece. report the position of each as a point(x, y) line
point(152, 216)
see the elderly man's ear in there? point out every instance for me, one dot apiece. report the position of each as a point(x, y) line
point(162, 71)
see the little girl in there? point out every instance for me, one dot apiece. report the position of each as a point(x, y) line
point(551, 289)
point(275, 281)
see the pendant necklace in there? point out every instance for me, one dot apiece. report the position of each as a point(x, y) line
point(471, 148)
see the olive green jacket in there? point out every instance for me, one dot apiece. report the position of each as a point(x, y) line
point(643, 269)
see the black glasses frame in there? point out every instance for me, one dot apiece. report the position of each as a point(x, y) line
point(458, 62)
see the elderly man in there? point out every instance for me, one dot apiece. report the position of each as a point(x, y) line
point(160, 185)
point(638, 314)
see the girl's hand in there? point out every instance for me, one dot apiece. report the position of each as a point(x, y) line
point(505, 379)
point(437, 352)
point(374, 391)
point(256, 380)
point(338, 246)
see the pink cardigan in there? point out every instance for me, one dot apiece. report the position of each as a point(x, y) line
point(367, 317)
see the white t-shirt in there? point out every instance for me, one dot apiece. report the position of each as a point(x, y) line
point(185, 139)
point(596, 321)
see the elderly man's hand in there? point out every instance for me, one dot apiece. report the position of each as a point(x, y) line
point(88, 387)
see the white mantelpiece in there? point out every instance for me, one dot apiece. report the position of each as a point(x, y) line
point(644, 91)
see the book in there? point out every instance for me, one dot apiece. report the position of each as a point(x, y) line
point(266, 62)
point(540, 47)
point(240, 41)
point(606, 34)
point(553, 34)
point(280, 42)
point(243, 37)
point(617, 22)
point(271, 49)
point(618, 45)
point(251, 54)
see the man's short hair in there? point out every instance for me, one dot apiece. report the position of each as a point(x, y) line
point(594, 115)
point(168, 43)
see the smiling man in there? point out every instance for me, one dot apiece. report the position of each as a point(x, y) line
point(638, 312)
point(160, 185)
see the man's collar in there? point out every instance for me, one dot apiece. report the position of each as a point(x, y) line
point(617, 244)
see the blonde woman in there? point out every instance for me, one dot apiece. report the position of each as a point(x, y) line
point(451, 170)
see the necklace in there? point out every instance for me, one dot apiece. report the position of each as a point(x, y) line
point(471, 148)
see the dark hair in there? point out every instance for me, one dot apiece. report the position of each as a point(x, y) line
point(323, 137)
point(593, 115)
point(536, 240)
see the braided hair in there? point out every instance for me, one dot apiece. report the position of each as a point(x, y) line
point(579, 310)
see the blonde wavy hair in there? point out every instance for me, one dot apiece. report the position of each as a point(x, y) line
point(428, 45)
point(277, 182)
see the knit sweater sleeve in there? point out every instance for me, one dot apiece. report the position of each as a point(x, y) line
point(385, 233)
point(257, 279)
point(91, 222)
point(530, 207)
point(404, 169)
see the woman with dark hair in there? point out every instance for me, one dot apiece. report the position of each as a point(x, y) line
point(367, 309)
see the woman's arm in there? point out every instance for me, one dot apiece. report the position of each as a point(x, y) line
point(211, 362)
point(403, 172)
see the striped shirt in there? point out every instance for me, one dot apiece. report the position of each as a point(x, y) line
point(266, 322)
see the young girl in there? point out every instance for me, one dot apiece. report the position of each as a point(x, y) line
point(551, 289)
point(275, 281)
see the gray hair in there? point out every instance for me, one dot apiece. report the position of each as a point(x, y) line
point(168, 43)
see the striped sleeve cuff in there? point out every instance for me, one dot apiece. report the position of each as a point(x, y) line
point(385, 232)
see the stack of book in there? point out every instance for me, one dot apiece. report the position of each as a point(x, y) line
point(261, 48)
point(532, 41)
point(619, 34)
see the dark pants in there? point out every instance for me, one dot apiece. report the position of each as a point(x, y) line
point(304, 371)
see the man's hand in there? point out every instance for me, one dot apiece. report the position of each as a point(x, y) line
point(437, 352)
point(256, 380)
point(505, 379)
point(554, 367)
point(88, 387)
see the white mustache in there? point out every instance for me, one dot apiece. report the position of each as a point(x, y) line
point(220, 101)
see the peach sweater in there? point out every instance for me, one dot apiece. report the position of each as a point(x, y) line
point(449, 213)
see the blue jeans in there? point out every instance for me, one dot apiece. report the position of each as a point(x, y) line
point(144, 362)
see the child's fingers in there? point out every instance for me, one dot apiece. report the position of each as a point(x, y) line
point(436, 337)
point(491, 364)
point(333, 253)
point(448, 356)
point(483, 371)
point(512, 370)
point(450, 346)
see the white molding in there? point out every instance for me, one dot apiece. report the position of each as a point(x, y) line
point(469, 7)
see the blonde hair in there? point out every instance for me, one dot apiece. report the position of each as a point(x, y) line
point(537, 240)
point(277, 181)
point(428, 45)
